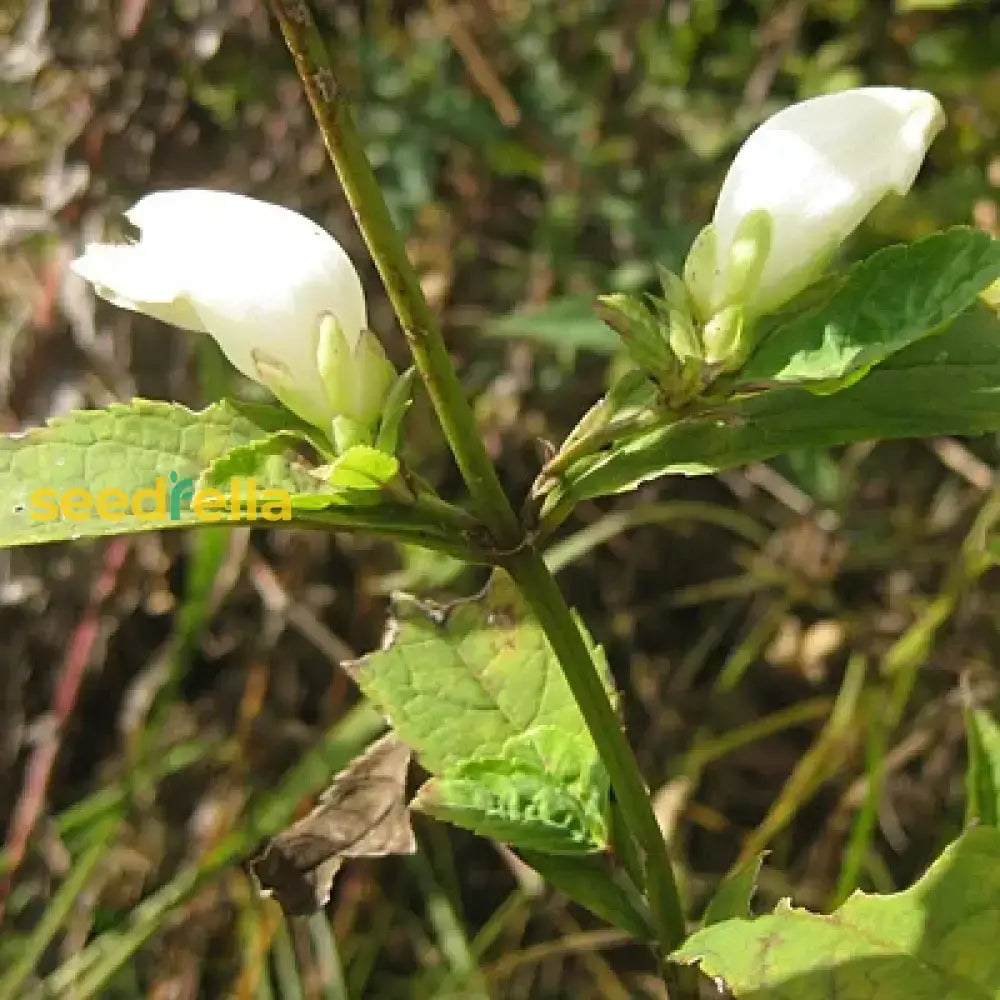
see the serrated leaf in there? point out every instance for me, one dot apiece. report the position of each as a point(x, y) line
point(982, 775)
point(890, 300)
point(948, 384)
point(545, 792)
point(270, 461)
point(126, 447)
point(475, 689)
point(935, 941)
point(734, 895)
point(458, 681)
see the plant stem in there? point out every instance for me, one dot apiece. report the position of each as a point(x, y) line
point(420, 523)
point(516, 554)
point(333, 115)
point(541, 591)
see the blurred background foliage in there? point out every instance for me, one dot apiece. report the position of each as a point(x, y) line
point(165, 702)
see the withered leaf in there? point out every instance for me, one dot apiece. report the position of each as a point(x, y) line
point(363, 814)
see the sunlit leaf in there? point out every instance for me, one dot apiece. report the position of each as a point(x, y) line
point(935, 940)
point(539, 794)
point(888, 301)
point(475, 689)
point(947, 384)
point(161, 448)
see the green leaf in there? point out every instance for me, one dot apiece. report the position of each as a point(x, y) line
point(396, 405)
point(982, 775)
point(734, 895)
point(949, 384)
point(363, 468)
point(475, 689)
point(593, 881)
point(545, 792)
point(270, 461)
point(935, 940)
point(642, 331)
point(458, 681)
point(356, 479)
point(561, 323)
point(143, 445)
point(890, 300)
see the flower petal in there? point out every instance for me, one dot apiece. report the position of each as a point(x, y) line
point(256, 276)
point(818, 168)
point(126, 276)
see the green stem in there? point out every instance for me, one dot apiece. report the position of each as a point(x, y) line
point(333, 116)
point(541, 591)
point(616, 432)
point(435, 526)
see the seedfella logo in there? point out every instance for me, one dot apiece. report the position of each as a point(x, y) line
point(170, 498)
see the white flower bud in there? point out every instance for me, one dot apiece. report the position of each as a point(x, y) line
point(800, 185)
point(258, 278)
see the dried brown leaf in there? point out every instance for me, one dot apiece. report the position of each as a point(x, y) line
point(363, 814)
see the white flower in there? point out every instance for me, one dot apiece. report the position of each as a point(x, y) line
point(261, 280)
point(800, 185)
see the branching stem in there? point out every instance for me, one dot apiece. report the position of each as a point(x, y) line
point(333, 115)
point(522, 560)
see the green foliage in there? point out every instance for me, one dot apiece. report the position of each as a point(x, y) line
point(126, 447)
point(948, 384)
point(936, 939)
point(566, 323)
point(593, 881)
point(545, 792)
point(169, 453)
point(362, 469)
point(626, 118)
point(733, 897)
point(982, 775)
point(641, 330)
point(354, 478)
point(459, 681)
point(888, 301)
point(395, 408)
point(475, 689)
point(270, 461)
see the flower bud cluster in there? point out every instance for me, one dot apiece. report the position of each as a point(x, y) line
point(798, 187)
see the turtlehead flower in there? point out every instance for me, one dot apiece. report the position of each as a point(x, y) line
point(277, 292)
point(799, 185)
